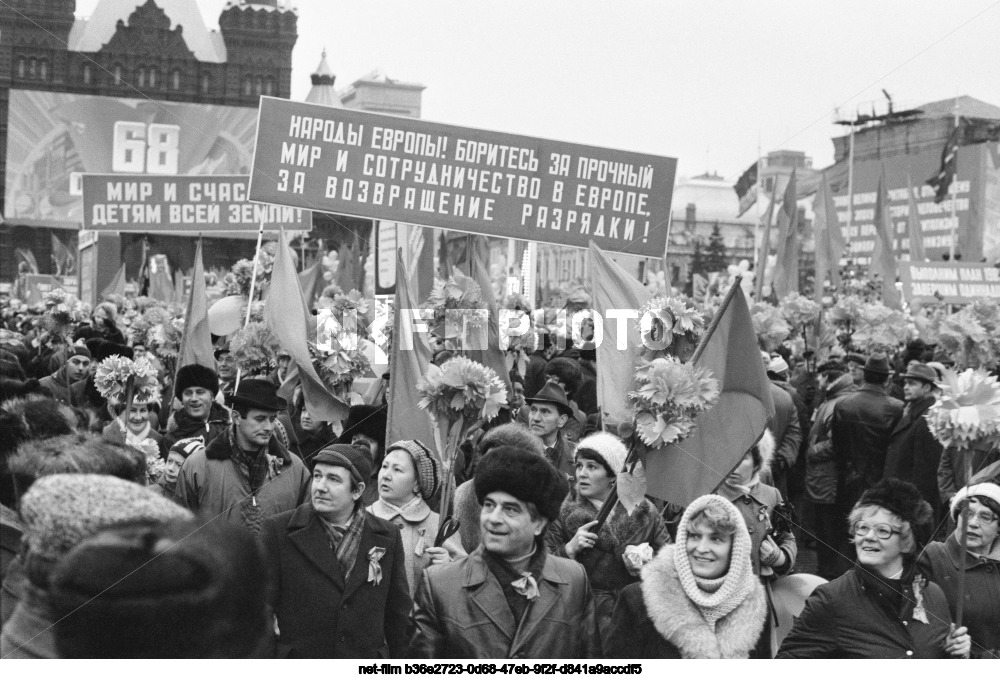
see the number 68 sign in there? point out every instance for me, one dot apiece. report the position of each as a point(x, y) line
point(145, 149)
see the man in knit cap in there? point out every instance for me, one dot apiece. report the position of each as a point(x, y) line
point(509, 598)
point(59, 511)
point(171, 590)
point(246, 474)
point(75, 369)
point(200, 416)
point(338, 577)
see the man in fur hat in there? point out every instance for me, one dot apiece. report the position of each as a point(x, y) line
point(200, 416)
point(246, 474)
point(509, 598)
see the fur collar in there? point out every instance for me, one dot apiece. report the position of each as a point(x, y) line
point(679, 621)
point(618, 531)
point(220, 450)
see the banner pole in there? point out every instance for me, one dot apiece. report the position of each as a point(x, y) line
point(253, 285)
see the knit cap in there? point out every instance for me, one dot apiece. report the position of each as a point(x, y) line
point(987, 490)
point(609, 448)
point(77, 349)
point(356, 461)
point(428, 474)
point(778, 365)
point(187, 446)
point(61, 510)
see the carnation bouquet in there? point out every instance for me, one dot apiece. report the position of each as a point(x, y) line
point(770, 325)
point(116, 375)
point(238, 280)
point(450, 300)
point(254, 349)
point(668, 396)
point(458, 395)
point(61, 310)
point(340, 362)
point(669, 324)
point(967, 414)
point(799, 310)
point(972, 335)
point(879, 327)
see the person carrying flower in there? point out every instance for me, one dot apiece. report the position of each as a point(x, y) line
point(130, 425)
point(338, 573)
point(614, 556)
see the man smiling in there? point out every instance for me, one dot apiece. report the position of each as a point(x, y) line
point(199, 416)
point(246, 474)
point(509, 598)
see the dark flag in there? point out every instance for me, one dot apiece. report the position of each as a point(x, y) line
point(949, 163)
point(746, 188)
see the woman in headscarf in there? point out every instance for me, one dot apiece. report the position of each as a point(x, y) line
point(882, 608)
point(611, 565)
point(979, 507)
point(409, 476)
point(698, 598)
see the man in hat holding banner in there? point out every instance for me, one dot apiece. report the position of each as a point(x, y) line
point(245, 475)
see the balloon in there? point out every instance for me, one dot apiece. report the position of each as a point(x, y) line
point(225, 315)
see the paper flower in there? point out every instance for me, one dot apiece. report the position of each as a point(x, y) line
point(967, 413)
point(339, 366)
point(663, 320)
point(668, 396)
point(972, 335)
point(237, 281)
point(112, 376)
point(450, 300)
point(770, 325)
point(799, 310)
point(254, 349)
point(880, 328)
point(461, 388)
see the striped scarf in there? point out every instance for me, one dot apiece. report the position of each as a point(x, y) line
point(345, 540)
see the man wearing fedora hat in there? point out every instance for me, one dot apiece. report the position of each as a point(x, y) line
point(914, 454)
point(549, 411)
point(859, 431)
point(245, 475)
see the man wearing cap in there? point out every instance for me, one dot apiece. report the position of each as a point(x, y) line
point(549, 411)
point(914, 453)
point(200, 416)
point(338, 578)
point(245, 475)
point(509, 598)
point(75, 369)
point(855, 363)
point(860, 430)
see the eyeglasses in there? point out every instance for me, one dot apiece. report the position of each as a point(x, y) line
point(881, 531)
point(984, 517)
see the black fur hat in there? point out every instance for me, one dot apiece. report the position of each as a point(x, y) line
point(525, 475)
point(196, 375)
point(905, 500)
point(369, 420)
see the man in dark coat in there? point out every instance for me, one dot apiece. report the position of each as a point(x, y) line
point(914, 453)
point(196, 387)
point(338, 577)
point(785, 428)
point(550, 410)
point(860, 430)
point(76, 368)
point(509, 598)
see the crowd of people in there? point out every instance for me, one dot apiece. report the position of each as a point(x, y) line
point(217, 516)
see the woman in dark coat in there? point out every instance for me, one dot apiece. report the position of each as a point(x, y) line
point(882, 608)
point(598, 459)
point(940, 563)
point(698, 598)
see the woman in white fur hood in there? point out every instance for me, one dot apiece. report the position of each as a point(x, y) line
point(698, 599)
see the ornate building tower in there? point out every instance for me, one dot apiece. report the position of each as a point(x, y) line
point(259, 36)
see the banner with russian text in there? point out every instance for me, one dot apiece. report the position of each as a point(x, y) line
point(950, 282)
point(204, 204)
point(463, 179)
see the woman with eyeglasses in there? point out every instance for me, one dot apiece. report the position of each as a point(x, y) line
point(882, 608)
point(979, 507)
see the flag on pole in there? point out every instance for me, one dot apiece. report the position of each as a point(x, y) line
point(949, 165)
point(746, 188)
point(786, 265)
point(309, 282)
point(765, 245)
point(407, 364)
point(161, 287)
point(293, 325)
point(491, 356)
point(829, 238)
point(612, 287)
point(196, 345)
point(64, 260)
point(883, 263)
point(913, 225)
point(117, 285)
point(681, 472)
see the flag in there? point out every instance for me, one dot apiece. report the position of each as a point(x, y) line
point(309, 282)
point(196, 345)
point(746, 189)
point(949, 164)
point(829, 238)
point(117, 286)
point(179, 287)
point(883, 263)
point(612, 287)
point(491, 356)
point(64, 260)
point(161, 287)
point(913, 225)
point(27, 258)
point(407, 364)
point(288, 318)
point(681, 472)
point(786, 265)
point(760, 269)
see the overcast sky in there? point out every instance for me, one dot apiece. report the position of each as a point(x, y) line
point(706, 82)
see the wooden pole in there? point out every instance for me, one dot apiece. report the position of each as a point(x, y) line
point(253, 285)
point(960, 606)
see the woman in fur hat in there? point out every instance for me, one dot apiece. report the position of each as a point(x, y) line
point(699, 598)
point(610, 563)
point(979, 506)
point(410, 475)
point(882, 608)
